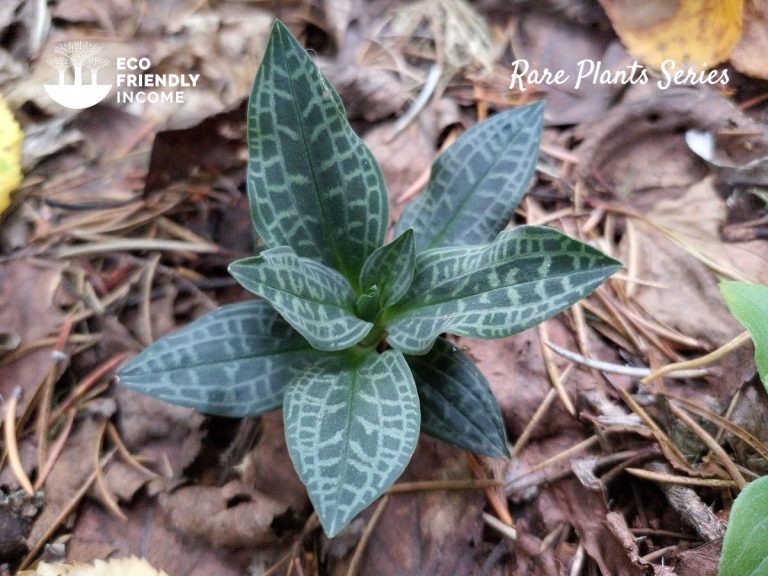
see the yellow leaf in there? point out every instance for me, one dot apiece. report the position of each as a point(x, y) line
point(116, 567)
point(749, 55)
point(10, 154)
point(695, 33)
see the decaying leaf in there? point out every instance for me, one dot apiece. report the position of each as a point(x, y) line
point(10, 154)
point(748, 56)
point(697, 33)
point(116, 567)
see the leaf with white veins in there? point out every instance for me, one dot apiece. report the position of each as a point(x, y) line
point(476, 184)
point(316, 300)
point(312, 183)
point(522, 278)
point(236, 361)
point(351, 430)
point(457, 405)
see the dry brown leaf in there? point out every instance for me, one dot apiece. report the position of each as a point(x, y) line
point(692, 222)
point(147, 533)
point(434, 532)
point(697, 33)
point(748, 56)
point(115, 567)
point(28, 290)
point(648, 131)
point(205, 512)
point(367, 92)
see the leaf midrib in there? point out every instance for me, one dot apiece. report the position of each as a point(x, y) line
point(315, 186)
point(451, 222)
point(414, 305)
point(483, 433)
point(346, 307)
point(308, 347)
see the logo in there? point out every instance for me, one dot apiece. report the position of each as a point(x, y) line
point(76, 56)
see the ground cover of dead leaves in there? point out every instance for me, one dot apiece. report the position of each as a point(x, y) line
point(126, 218)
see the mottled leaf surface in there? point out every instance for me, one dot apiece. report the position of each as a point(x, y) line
point(351, 430)
point(524, 277)
point(745, 547)
point(390, 269)
point(312, 183)
point(457, 405)
point(316, 300)
point(477, 182)
point(236, 361)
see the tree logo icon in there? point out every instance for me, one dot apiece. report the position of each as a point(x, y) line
point(75, 56)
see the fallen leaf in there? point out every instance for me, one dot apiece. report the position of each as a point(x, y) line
point(114, 567)
point(268, 469)
point(72, 469)
point(692, 221)
point(28, 292)
point(368, 93)
point(748, 57)
point(416, 530)
point(647, 129)
point(162, 431)
point(206, 513)
point(146, 533)
point(675, 285)
point(587, 511)
point(10, 154)
point(701, 560)
point(698, 33)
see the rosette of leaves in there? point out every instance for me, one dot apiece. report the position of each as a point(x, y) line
point(348, 336)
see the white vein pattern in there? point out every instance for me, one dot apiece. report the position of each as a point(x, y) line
point(351, 432)
point(316, 300)
point(477, 183)
point(312, 183)
point(236, 361)
point(525, 276)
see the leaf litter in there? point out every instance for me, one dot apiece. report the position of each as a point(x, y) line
point(126, 218)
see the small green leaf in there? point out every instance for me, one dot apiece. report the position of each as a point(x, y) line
point(351, 431)
point(526, 276)
point(745, 547)
point(457, 405)
point(390, 269)
point(477, 182)
point(316, 300)
point(312, 183)
point(236, 361)
point(749, 304)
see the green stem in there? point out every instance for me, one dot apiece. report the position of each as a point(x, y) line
point(375, 336)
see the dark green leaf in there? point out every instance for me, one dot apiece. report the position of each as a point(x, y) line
point(477, 182)
point(526, 276)
point(749, 304)
point(390, 269)
point(351, 430)
point(745, 547)
point(236, 361)
point(457, 405)
point(316, 300)
point(312, 183)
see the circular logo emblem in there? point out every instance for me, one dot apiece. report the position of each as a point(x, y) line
point(75, 58)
